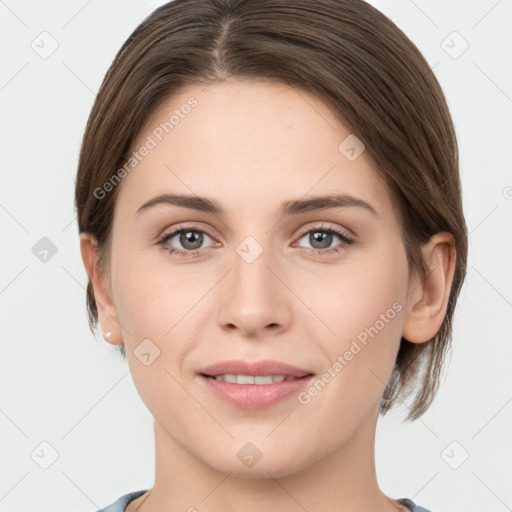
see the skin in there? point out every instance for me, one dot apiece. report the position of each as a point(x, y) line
point(250, 146)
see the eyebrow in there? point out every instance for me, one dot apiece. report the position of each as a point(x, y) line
point(290, 207)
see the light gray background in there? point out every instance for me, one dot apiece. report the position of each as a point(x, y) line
point(60, 386)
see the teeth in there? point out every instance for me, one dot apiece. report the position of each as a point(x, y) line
point(249, 379)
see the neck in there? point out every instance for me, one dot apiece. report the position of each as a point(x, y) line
point(344, 480)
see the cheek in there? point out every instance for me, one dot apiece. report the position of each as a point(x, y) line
point(165, 304)
point(352, 297)
point(152, 294)
point(155, 304)
point(362, 304)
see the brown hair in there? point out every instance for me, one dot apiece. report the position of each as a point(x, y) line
point(345, 52)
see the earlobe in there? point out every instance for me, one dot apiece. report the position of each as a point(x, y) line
point(428, 300)
point(107, 312)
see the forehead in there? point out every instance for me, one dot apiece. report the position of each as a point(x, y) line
point(247, 144)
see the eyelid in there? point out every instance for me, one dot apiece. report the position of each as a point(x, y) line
point(305, 229)
point(322, 226)
point(186, 226)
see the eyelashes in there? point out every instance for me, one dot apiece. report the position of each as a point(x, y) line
point(328, 233)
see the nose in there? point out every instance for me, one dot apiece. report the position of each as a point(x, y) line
point(254, 298)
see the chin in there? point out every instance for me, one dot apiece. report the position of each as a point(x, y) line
point(271, 467)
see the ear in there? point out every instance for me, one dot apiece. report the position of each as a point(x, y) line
point(107, 312)
point(427, 301)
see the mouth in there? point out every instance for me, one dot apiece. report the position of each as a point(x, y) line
point(254, 385)
point(254, 379)
point(245, 372)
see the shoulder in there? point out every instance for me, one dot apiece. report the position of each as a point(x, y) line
point(120, 504)
point(410, 504)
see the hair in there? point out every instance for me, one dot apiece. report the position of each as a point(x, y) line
point(346, 53)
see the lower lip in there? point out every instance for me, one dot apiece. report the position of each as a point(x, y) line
point(255, 396)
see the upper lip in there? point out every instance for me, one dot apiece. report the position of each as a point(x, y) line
point(258, 368)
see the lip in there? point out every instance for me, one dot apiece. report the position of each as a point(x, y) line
point(254, 396)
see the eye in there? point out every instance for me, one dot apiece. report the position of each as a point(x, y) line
point(191, 238)
point(321, 238)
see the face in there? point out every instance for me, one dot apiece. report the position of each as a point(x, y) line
point(321, 287)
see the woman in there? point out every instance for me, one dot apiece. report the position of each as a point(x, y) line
point(270, 217)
